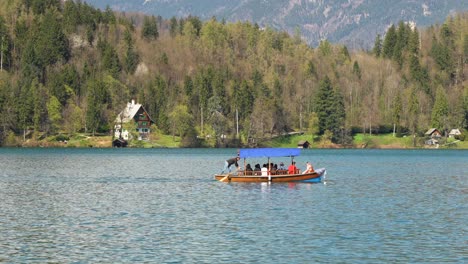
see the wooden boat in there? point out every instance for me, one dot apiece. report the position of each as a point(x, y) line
point(272, 176)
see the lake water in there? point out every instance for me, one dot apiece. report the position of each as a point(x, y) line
point(164, 206)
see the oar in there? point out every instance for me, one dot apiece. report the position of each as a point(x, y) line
point(224, 178)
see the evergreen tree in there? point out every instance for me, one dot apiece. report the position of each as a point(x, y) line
point(110, 60)
point(188, 86)
point(397, 108)
point(24, 107)
point(357, 70)
point(38, 97)
point(413, 112)
point(443, 57)
point(465, 49)
point(131, 56)
point(324, 48)
point(389, 42)
point(51, 44)
point(96, 96)
point(5, 46)
point(150, 28)
point(440, 111)
point(377, 50)
point(173, 26)
point(54, 112)
point(413, 43)
point(329, 106)
point(311, 69)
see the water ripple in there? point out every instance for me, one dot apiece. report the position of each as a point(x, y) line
point(163, 206)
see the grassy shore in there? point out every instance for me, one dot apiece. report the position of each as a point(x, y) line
point(384, 141)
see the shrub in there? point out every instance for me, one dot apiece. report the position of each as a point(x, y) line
point(61, 137)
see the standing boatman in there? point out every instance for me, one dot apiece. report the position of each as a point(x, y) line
point(229, 162)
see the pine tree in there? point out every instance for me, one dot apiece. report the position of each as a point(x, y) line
point(389, 42)
point(357, 70)
point(131, 56)
point(440, 111)
point(173, 27)
point(329, 106)
point(377, 50)
point(397, 108)
point(150, 28)
point(54, 113)
point(413, 111)
point(5, 46)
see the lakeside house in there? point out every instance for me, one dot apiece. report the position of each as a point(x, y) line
point(133, 112)
point(433, 135)
point(454, 133)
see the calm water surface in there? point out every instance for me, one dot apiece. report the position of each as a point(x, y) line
point(163, 206)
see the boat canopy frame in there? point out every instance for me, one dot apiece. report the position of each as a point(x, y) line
point(269, 152)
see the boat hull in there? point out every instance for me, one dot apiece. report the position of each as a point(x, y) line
point(313, 177)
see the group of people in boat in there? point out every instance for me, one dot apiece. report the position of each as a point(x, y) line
point(266, 169)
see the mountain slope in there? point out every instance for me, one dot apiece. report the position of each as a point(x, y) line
point(351, 22)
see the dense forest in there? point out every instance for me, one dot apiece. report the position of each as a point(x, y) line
point(67, 67)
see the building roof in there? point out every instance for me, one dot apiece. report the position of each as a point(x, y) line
point(129, 112)
point(455, 132)
point(430, 131)
point(302, 142)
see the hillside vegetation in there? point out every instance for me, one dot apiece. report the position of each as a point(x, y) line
point(68, 68)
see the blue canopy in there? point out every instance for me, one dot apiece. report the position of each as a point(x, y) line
point(269, 152)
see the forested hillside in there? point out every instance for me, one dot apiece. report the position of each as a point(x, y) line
point(350, 22)
point(69, 68)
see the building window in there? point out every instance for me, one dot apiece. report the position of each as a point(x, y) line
point(144, 123)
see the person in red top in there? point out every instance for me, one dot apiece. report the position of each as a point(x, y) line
point(292, 168)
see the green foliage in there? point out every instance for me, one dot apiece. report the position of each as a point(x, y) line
point(389, 42)
point(5, 46)
point(110, 59)
point(50, 43)
point(313, 124)
point(329, 106)
point(40, 6)
point(357, 70)
point(96, 97)
point(181, 121)
point(150, 28)
point(440, 111)
point(413, 114)
point(132, 58)
point(442, 56)
point(217, 70)
point(325, 48)
point(377, 50)
point(54, 112)
point(173, 27)
point(397, 107)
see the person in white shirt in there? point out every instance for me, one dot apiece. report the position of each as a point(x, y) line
point(264, 170)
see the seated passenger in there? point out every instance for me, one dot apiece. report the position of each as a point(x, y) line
point(264, 170)
point(309, 168)
point(257, 170)
point(281, 166)
point(248, 170)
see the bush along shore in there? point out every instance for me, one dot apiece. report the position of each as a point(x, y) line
point(383, 141)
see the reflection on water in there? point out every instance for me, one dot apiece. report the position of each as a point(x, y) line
point(163, 206)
